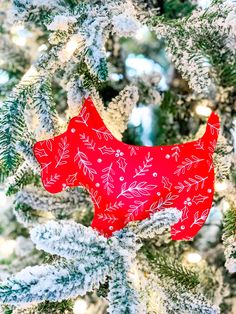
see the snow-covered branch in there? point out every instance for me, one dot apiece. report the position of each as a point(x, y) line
point(52, 282)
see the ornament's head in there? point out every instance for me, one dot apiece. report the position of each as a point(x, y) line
point(64, 159)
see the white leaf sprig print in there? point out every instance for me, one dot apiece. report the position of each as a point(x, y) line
point(133, 150)
point(52, 180)
point(45, 166)
point(166, 182)
point(93, 193)
point(136, 189)
point(108, 218)
point(174, 231)
point(107, 179)
point(49, 144)
point(211, 147)
point(176, 151)
point(89, 143)
point(62, 153)
point(197, 182)
point(84, 163)
point(83, 117)
point(134, 209)
point(210, 165)
point(103, 133)
point(187, 164)
point(163, 202)
point(199, 145)
point(200, 218)
point(214, 128)
point(141, 170)
point(114, 206)
point(96, 198)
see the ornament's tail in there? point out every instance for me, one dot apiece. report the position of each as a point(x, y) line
point(212, 131)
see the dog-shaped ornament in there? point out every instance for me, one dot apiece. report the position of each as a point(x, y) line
point(128, 182)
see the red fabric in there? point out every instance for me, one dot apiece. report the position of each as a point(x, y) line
point(128, 182)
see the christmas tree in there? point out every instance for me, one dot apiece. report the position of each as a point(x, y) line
point(155, 71)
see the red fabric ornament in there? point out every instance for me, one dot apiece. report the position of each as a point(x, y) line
point(128, 182)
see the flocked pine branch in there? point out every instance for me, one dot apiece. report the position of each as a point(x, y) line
point(167, 296)
point(11, 128)
point(44, 106)
point(80, 86)
point(87, 35)
point(22, 177)
point(25, 215)
point(39, 12)
point(124, 295)
point(52, 282)
point(76, 92)
point(175, 301)
point(14, 59)
point(41, 200)
point(13, 125)
point(24, 147)
point(72, 241)
point(119, 110)
point(188, 59)
point(189, 41)
point(112, 16)
point(84, 39)
point(24, 167)
point(27, 171)
point(158, 223)
point(63, 307)
point(94, 257)
point(78, 33)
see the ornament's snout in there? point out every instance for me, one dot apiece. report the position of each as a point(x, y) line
point(49, 174)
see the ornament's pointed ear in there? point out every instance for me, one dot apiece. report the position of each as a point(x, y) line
point(88, 115)
point(44, 152)
point(89, 104)
point(212, 130)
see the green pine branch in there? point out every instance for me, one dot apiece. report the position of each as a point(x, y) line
point(65, 306)
point(100, 68)
point(26, 179)
point(167, 267)
point(212, 44)
point(229, 223)
point(173, 269)
point(43, 103)
point(25, 214)
point(12, 128)
point(38, 17)
point(177, 8)
point(3, 174)
point(89, 80)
